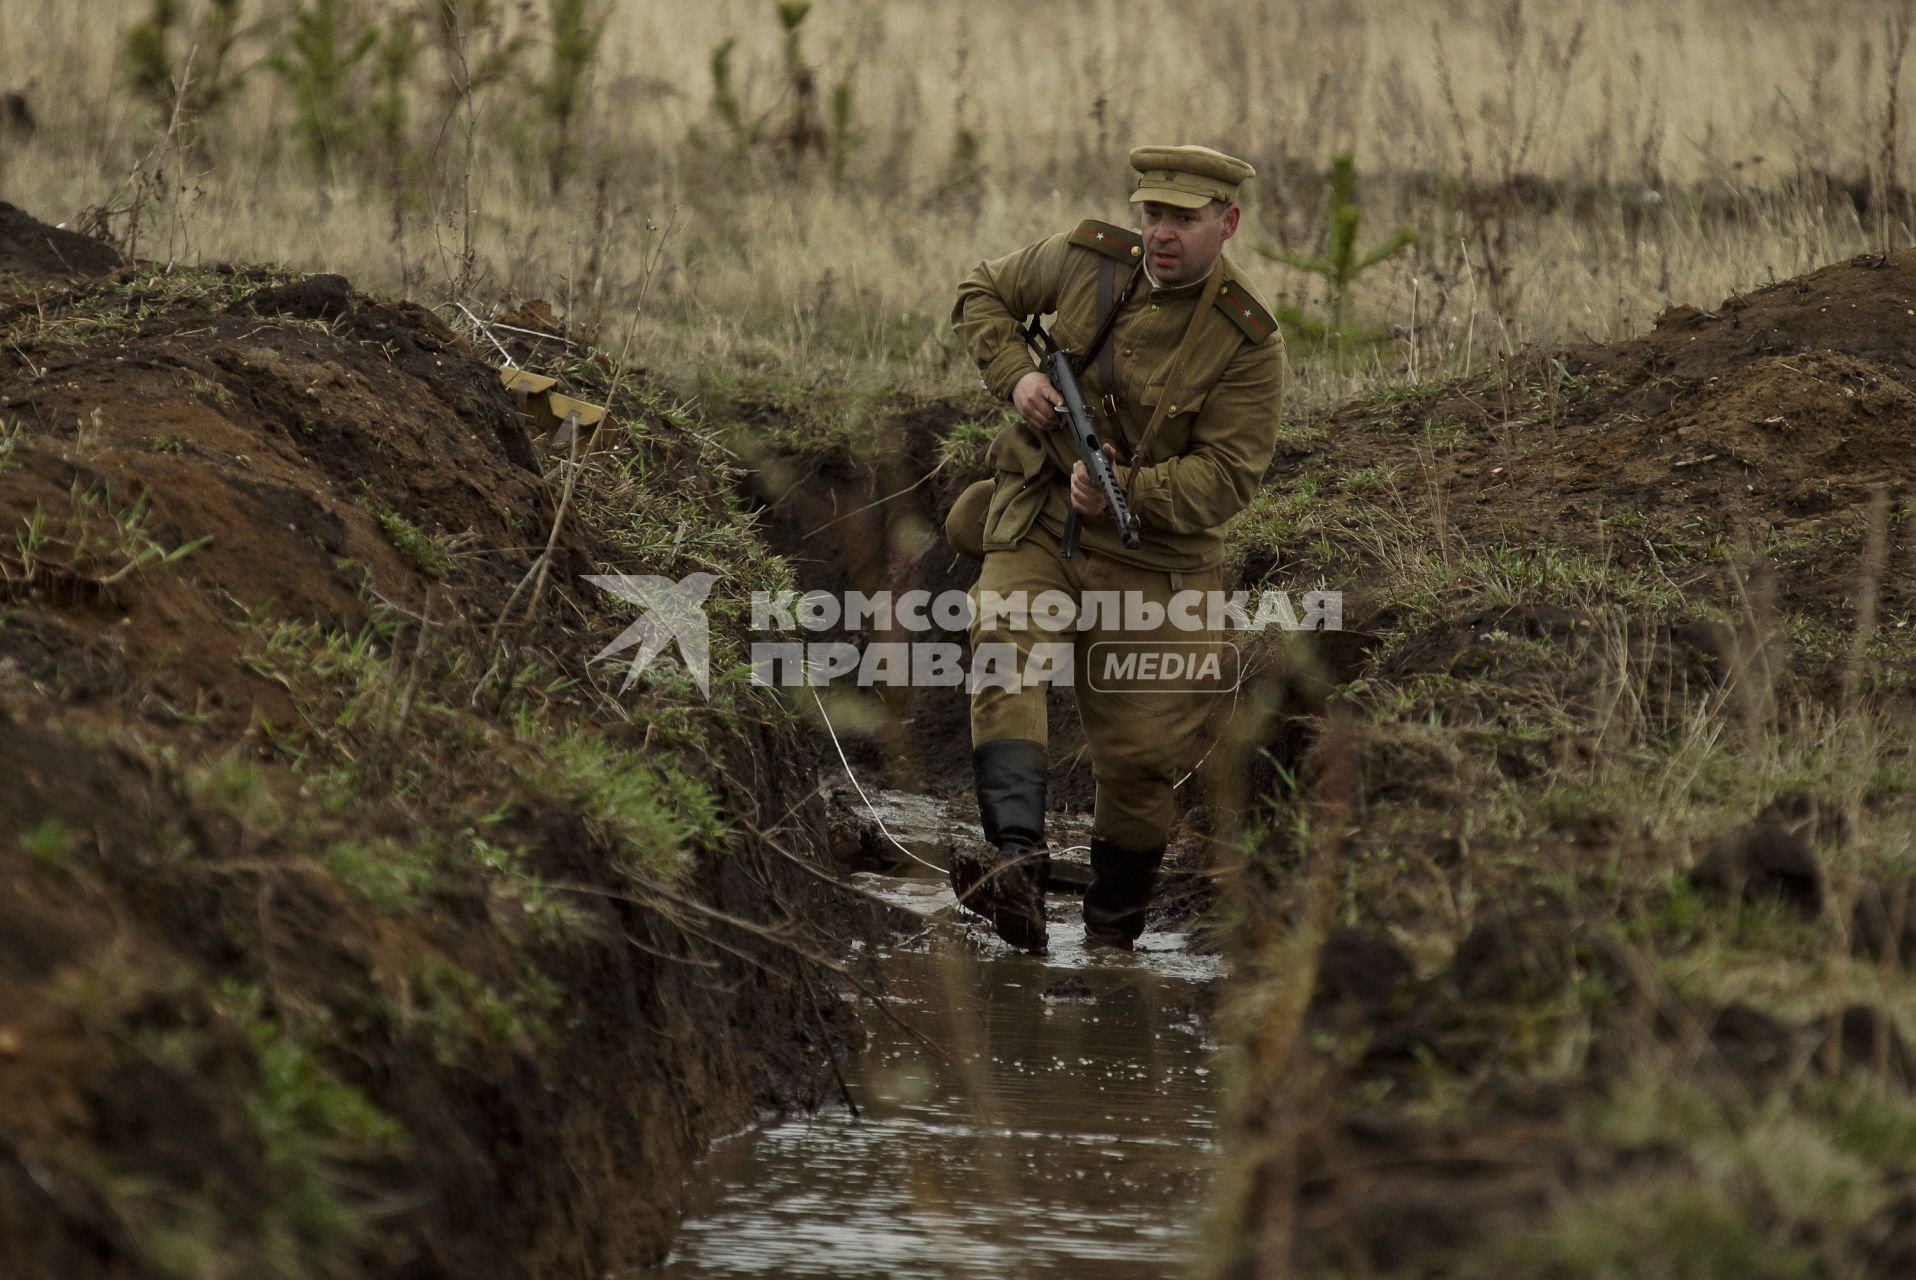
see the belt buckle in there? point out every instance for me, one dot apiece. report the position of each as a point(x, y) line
point(1110, 406)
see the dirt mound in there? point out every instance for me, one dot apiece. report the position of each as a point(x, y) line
point(1784, 436)
point(1688, 521)
point(1743, 445)
point(329, 856)
point(315, 457)
point(1789, 401)
point(1861, 308)
point(30, 248)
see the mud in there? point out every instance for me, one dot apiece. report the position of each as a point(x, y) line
point(1768, 422)
point(287, 443)
point(34, 251)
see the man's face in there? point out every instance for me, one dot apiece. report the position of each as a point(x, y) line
point(1182, 245)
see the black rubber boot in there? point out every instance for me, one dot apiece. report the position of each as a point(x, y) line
point(1119, 893)
point(1005, 884)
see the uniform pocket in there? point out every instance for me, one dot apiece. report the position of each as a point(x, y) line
point(1184, 399)
point(1173, 435)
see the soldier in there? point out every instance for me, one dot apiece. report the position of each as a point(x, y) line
point(1184, 368)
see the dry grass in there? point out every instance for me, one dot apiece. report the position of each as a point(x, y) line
point(1680, 91)
point(1687, 110)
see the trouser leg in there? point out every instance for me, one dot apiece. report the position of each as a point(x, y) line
point(1143, 730)
point(1005, 883)
point(1011, 649)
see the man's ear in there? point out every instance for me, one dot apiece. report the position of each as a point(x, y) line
point(1231, 215)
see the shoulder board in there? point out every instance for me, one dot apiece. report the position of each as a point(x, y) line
point(1112, 242)
point(1246, 312)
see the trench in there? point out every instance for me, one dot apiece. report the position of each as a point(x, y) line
point(1046, 1115)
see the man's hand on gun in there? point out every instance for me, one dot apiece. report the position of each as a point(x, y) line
point(1049, 397)
point(1037, 401)
point(1087, 499)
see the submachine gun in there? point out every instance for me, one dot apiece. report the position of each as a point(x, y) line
point(1074, 417)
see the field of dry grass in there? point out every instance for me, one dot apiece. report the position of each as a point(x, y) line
point(1570, 168)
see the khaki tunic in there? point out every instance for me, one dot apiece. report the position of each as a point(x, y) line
point(1206, 460)
point(1220, 424)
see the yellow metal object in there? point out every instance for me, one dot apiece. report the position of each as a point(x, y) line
point(576, 417)
point(532, 384)
point(561, 406)
point(560, 417)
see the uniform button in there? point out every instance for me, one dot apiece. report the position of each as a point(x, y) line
point(1130, 351)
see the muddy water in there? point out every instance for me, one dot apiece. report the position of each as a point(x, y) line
point(1017, 1116)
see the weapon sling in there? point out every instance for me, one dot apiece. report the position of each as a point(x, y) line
point(1100, 348)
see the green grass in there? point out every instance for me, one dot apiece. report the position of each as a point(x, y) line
point(236, 788)
point(305, 1216)
point(97, 539)
point(307, 1121)
point(456, 1013)
point(963, 447)
point(390, 875)
point(426, 554)
point(1771, 1187)
point(658, 815)
point(114, 311)
point(550, 915)
point(51, 843)
point(1279, 520)
point(205, 388)
point(1666, 1229)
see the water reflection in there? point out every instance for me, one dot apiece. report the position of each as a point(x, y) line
point(1060, 1123)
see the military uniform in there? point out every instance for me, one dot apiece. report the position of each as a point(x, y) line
point(1204, 359)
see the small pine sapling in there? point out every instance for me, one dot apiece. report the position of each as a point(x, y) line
point(1341, 263)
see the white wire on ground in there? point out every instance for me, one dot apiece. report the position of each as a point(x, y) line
point(1235, 690)
point(869, 806)
point(484, 330)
